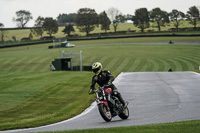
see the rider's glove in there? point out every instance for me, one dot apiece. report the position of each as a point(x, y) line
point(106, 85)
point(109, 82)
point(91, 91)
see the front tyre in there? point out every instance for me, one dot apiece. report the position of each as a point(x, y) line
point(105, 114)
point(124, 114)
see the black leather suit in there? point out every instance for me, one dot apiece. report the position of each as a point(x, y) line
point(105, 78)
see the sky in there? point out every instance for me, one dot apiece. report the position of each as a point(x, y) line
point(52, 8)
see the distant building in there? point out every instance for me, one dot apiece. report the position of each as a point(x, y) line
point(128, 21)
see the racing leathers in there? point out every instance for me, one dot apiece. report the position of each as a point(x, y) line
point(105, 78)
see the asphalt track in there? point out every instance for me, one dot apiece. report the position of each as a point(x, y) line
point(154, 97)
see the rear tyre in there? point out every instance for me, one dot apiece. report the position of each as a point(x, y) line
point(124, 114)
point(105, 114)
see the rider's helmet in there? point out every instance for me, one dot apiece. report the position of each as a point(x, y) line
point(96, 68)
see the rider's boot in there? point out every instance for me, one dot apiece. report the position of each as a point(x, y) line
point(125, 103)
point(119, 96)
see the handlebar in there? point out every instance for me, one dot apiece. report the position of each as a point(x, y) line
point(97, 90)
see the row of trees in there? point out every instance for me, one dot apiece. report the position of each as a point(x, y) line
point(159, 17)
point(48, 25)
point(87, 19)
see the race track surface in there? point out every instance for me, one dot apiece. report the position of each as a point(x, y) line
point(154, 97)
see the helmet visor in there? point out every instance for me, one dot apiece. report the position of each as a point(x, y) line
point(95, 70)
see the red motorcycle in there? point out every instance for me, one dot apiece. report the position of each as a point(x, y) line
point(109, 106)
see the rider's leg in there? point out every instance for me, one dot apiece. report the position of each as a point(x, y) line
point(117, 94)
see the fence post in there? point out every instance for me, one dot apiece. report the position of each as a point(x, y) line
point(81, 61)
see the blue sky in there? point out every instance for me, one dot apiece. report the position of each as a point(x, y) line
point(52, 8)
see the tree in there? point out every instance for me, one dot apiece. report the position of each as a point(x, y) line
point(68, 29)
point(121, 18)
point(86, 20)
point(193, 15)
point(104, 21)
point(14, 38)
point(38, 29)
point(2, 32)
point(50, 26)
point(176, 17)
point(23, 17)
point(115, 24)
point(66, 18)
point(113, 13)
point(141, 18)
point(159, 17)
point(30, 36)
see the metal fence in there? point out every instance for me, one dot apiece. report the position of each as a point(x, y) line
point(76, 58)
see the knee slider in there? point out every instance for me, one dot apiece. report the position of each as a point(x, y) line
point(116, 93)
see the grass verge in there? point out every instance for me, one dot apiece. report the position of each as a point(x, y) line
point(35, 99)
point(177, 127)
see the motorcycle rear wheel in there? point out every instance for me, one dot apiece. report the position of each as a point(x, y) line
point(124, 114)
point(105, 114)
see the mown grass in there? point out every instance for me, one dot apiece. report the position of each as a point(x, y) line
point(127, 55)
point(31, 95)
point(35, 99)
point(114, 53)
point(177, 127)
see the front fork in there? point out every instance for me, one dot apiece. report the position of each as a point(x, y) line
point(102, 100)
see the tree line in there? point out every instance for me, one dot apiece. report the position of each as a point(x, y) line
point(87, 19)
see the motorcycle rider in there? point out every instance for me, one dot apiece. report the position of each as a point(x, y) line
point(104, 77)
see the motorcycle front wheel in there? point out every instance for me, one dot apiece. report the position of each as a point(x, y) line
point(105, 113)
point(124, 114)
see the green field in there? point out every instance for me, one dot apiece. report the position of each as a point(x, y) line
point(32, 95)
